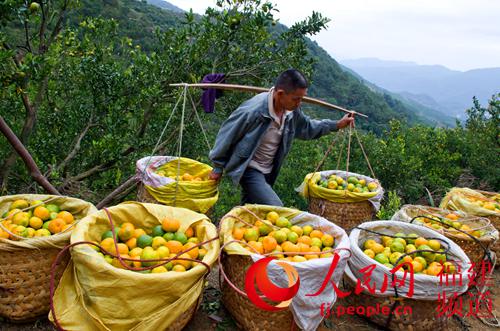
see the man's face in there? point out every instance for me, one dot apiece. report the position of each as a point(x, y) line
point(291, 100)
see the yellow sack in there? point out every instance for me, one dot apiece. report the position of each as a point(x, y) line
point(471, 202)
point(198, 196)
point(310, 188)
point(93, 295)
point(79, 209)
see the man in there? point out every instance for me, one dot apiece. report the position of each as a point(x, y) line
point(254, 140)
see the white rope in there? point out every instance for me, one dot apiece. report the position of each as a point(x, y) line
point(161, 136)
point(199, 121)
point(179, 151)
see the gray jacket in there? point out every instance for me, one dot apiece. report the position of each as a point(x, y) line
point(240, 134)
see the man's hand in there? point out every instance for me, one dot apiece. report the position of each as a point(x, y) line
point(346, 121)
point(215, 176)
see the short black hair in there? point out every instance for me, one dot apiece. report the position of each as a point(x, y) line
point(290, 80)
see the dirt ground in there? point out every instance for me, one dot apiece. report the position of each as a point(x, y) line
point(213, 317)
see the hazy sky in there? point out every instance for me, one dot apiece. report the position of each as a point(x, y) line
point(459, 34)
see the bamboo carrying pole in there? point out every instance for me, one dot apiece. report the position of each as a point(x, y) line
point(263, 89)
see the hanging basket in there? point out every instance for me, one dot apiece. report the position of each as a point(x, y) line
point(346, 207)
point(25, 265)
point(177, 182)
point(476, 248)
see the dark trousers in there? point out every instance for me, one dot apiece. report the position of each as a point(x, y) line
point(256, 189)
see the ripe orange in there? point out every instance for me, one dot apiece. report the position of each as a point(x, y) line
point(305, 240)
point(238, 233)
point(303, 247)
point(256, 246)
point(194, 252)
point(138, 232)
point(174, 246)
point(316, 234)
point(420, 241)
point(126, 231)
point(170, 225)
point(269, 244)
point(36, 222)
point(42, 213)
point(131, 243)
point(66, 216)
point(56, 225)
point(185, 263)
point(189, 232)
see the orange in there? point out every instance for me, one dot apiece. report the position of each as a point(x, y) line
point(256, 246)
point(315, 249)
point(107, 243)
point(178, 268)
point(36, 222)
point(137, 251)
point(303, 247)
point(56, 225)
point(305, 240)
point(122, 249)
point(417, 266)
point(407, 258)
point(452, 216)
point(41, 212)
point(194, 252)
point(126, 231)
point(238, 233)
point(185, 263)
point(66, 216)
point(4, 234)
point(316, 234)
point(420, 241)
point(131, 243)
point(174, 246)
point(311, 256)
point(138, 232)
point(269, 244)
point(170, 225)
point(189, 232)
point(291, 248)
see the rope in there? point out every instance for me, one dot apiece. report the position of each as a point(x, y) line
point(161, 136)
point(199, 121)
point(364, 154)
point(179, 151)
point(341, 150)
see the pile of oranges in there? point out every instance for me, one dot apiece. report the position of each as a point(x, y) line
point(426, 256)
point(186, 177)
point(277, 236)
point(30, 219)
point(162, 242)
point(450, 222)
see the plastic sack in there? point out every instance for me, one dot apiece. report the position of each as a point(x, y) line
point(198, 196)
point(461, 199)
point(311, 273)
point(79, 209)
point(310, 188)
point(425, 287)
point(94, 295)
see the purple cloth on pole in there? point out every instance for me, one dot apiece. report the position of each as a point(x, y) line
point(209, 95)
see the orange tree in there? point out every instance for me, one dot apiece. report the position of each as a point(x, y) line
point(87, 101)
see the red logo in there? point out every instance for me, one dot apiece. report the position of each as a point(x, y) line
point(257, 275)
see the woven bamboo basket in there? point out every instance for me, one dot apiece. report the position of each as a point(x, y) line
point(144, 196)
point(25, 264)
point(477, 249)
point(247, 315)
point(347, 215)
point(186, 316)
point(24, 285)
point(422, 317)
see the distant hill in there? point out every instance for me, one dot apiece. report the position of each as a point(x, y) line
point(435, 86)
point(165, 5)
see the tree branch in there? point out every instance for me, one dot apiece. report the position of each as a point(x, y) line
point(25, 155)
point(124, 186)
point(76, 146)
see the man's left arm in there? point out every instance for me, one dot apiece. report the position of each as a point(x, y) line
point(307, 128)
